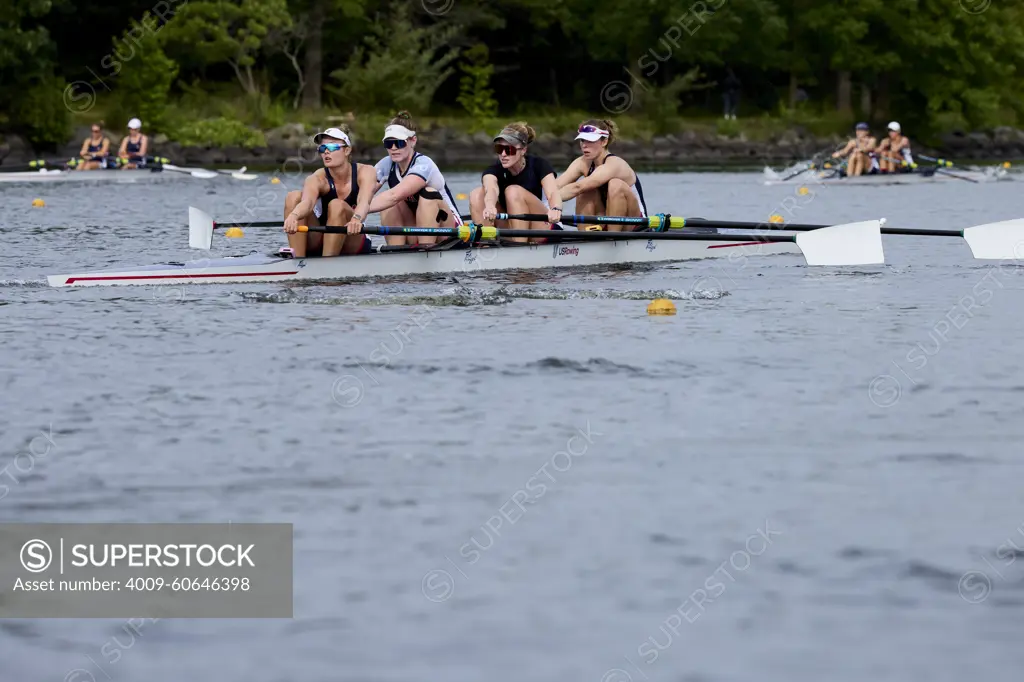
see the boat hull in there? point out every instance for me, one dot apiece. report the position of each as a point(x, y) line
point(100, 175)
point(271, 268)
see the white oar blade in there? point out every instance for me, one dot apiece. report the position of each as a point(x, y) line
point(203, 174)
point(244, 176)
point(997, 241)
point(200, 229)
point(849, 244)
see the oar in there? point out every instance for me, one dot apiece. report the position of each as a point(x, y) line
point(239, 174)
point(991, 241)
point(654, 222)
point(850, 244)
point(35, 164)
point(194, 172)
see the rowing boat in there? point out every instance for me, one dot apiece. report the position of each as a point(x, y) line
point(402, 261)
point(47, 175)
point(117, 176)
point(813, 177)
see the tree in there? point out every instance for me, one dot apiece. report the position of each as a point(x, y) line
point(400, 65)
point(233, 31)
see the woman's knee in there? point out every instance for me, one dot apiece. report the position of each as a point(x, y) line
point(476, 197)
point(617, 187)
point(292, 199)
point(337, 209)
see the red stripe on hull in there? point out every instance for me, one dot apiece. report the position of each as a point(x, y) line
point(72, 280)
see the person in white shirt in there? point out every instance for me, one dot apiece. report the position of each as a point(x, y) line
point(417, 194)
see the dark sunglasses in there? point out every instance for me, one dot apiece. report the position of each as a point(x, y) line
point(330, 147)
point(506, 149)
point(395, 144)
point(96, 130)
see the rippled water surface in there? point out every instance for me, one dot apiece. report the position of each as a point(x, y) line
point(806, 474)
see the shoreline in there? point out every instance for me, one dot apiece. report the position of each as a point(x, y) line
point(289, 148)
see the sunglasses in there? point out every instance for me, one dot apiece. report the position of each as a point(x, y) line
point(330, 147)
point(96, 130)
point(506, 149)
point(395, 144)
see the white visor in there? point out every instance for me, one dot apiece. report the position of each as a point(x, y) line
point(336, 133)
point(135, 123)
point(894, 126)
point(397, 132)
point(594, 136)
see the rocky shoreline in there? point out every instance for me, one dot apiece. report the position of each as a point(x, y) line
point(290, 145)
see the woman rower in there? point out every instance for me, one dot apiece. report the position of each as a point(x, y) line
point(94, 150)
point(894, 151)
point(517, 182)
point(417, 194)
point(859, 150)
point(602, 183)
point(321, 200)
point(134, 146)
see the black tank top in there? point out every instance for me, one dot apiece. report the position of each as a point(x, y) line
point(353, 195)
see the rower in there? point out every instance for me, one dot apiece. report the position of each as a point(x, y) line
point(894, 151)
point(320, 200)
point(517, 182)
point(94, 150)
point(859, 151)
point(417, 193)
point(134, 146)
point(602, 183)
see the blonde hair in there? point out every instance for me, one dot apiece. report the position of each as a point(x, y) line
point(605, 123)
point(523, 129)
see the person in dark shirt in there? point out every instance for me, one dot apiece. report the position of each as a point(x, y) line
point(517, 182)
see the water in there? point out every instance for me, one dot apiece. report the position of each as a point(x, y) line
point(805, 474)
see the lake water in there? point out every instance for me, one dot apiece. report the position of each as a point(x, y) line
point(806, 474)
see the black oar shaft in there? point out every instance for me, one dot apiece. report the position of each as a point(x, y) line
point(798, 227)
point(254, 223)
point(561, 235)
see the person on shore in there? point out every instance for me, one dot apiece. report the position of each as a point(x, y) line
point(134, 147)
point(417, 194)
point(338, 194)
point(517, 182)
point(859, 150)
point(601, 182)
point(95, 150)
point(894, 152)
point(731, 94)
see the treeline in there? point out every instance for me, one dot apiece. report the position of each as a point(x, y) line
point(935, 64)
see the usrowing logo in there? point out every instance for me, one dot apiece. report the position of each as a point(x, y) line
point(565, 251)
point(651, 246)
point(301, 263)
point(470, 257)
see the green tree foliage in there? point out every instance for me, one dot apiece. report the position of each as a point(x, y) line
point(209, 32)
point(40, 112)
point(400, 65)
point(144, 75)
point(932, 64)
point(475, 93)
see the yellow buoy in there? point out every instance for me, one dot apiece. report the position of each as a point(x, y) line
point(38, 202)
point(803, 191)
point(775, 218)
point(661, 306)
point(461, 196)
point(1006, 164)
point(234, 232)
point(275, 181)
